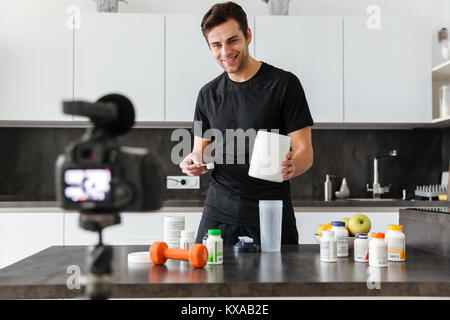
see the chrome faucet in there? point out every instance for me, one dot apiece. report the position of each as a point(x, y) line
point(376, 188)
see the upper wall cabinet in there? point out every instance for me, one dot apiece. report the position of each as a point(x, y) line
point(387, 71)
point(122, 53)
point(311, 48)
point(189, 65)
point(35, 66)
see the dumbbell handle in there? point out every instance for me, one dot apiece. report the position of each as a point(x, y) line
point(177, 254)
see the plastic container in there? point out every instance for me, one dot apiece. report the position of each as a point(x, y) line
point(270, 219)
point(172, 230)
point(341, 235)
point(187, 239)
point(214, 244)
point(328, 247)
point(269, 151)
point(377, 250)
point(361, 247)
point(396, 244)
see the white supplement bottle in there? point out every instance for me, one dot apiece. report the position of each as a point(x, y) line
point(328, 247)
point(395, 241)
point(361, 247)
point(187, 239)
point(341, 235)
point(377, 250)
point(214, 244)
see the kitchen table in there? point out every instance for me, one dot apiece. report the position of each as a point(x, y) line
point(296, 271)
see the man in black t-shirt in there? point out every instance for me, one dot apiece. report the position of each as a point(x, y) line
point(248, 96)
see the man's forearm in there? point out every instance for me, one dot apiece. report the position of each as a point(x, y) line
point(303, 161)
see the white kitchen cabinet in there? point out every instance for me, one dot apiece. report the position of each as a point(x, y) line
point(23, 234)
point(122, 53)
point(307, 222)
point(135, 228)
point(189, 64)
point(35, 66)
point(311, 48)
point(387, 71)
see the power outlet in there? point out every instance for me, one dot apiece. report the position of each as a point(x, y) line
point(183, 182)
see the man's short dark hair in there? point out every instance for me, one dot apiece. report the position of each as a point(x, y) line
point(222, 12)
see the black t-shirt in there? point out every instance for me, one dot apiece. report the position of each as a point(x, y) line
point(271, 99)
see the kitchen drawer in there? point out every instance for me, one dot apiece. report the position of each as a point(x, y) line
point(24, 234)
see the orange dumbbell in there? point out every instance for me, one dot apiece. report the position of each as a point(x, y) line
point(197, 255)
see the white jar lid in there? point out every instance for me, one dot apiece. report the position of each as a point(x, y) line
point(187, 233)
point(174, 219)
point(328, 233)
point(139, 257)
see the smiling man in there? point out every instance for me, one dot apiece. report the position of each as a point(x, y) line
point(248, 95)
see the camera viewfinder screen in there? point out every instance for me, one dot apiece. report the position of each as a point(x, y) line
point(87, 185)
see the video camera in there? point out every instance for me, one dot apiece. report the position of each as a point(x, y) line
point(99, 178)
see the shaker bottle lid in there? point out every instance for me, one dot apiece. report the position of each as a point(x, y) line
point(395, 227)
point(337, 223)
point(214, 232)
point(243, 246)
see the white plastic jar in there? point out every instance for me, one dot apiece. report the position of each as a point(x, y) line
point(214, 244)
point(341, 235)
point(361, 247)
point(187, 239)
point(396, 244)
point(377, 250)
point(328, 247)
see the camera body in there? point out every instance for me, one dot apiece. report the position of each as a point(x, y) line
point(97, 175)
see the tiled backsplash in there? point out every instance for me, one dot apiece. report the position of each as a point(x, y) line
point(27, 159)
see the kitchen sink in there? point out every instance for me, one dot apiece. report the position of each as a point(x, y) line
point(372, 199)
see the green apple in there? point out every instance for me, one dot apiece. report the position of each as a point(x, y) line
point(359, 223)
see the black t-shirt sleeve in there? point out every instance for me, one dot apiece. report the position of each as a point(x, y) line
point(296, 114)
point(201, 121)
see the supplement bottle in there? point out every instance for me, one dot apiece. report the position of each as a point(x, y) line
point(395, 241)
point(377, 250)
point(328, 247)
point(341, 235)
point(187, 239)
point(361, 247)
point(214, 244)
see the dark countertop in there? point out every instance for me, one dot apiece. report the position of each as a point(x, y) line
point(295, 271)
point(427, 229)
point(296, 203)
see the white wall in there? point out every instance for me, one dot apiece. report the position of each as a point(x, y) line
point(436, 9)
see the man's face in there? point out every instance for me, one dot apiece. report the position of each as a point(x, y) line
point(229, 46)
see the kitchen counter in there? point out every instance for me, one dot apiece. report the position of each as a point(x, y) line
point(197, 205)
point(296, 271)
point(427, 229)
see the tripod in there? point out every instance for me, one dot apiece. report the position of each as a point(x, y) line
point(99, 279)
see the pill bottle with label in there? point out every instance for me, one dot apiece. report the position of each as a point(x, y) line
point(377, 250)
point(395, 241)
point(187, 239)
point(341, 235)
point(328, 247)
point(361, 247)
point(214, 244)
